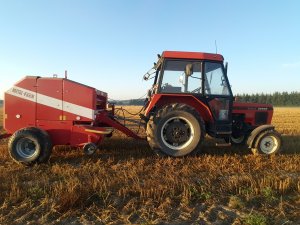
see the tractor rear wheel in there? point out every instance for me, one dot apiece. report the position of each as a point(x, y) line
point(175, 130)
point(29, 146)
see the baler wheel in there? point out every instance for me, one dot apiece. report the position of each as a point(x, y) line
point(90, 148)
point(47, 144)
point(175, 130)
point(29, 146)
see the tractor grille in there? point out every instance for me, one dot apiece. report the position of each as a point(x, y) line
point(261, 118)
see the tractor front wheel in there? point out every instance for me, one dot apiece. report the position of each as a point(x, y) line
point(175, 130)
point(268, 143)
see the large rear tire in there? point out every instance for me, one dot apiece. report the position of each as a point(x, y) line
point(30, 145)
point(175, 130)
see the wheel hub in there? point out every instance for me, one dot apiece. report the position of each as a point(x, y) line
point(268, 144)
point(26, 148)
point(176, 132)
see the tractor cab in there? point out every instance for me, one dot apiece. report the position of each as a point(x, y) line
point(196, 79)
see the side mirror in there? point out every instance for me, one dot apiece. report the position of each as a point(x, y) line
point(146, 76)
point(188, 69)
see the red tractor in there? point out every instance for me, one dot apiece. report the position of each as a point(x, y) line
point(190, 97)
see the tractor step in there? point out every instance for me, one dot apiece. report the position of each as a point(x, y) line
point(223, 144)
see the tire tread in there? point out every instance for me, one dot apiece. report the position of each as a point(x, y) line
point(161, 113)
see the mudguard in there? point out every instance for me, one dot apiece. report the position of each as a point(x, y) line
point(254, 134)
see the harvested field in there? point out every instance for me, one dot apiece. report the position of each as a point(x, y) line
point(125, 183)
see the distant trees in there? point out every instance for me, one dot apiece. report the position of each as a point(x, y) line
point(137, 102)
point(129, 102)
point(276, 99)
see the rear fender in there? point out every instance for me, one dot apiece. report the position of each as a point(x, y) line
point(160, 100)
point(256, 132)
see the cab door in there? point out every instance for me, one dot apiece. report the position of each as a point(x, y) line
point(218, 97)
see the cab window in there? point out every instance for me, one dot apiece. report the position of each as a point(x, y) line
point(215, 81)
point(181, 77)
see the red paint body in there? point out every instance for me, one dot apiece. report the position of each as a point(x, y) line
point(249, 110)
point(75, 114)
point(64, 108)
point(159, 100)
point(192, 55)
point(251, 114)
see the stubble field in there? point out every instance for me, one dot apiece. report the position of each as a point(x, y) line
point(125, 183)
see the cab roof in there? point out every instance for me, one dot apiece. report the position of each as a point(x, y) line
point(192, 55)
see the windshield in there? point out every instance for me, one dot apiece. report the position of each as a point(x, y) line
point(181, 77)
point(215, 81)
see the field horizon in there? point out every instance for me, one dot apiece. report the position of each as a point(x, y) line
point(126, 183)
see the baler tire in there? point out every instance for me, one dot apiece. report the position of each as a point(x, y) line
point(47, 145)
point(265, 140)
point(20, 146)
point(90, 148)
point(188, 121)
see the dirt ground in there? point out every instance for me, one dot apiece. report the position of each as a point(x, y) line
point(126, 183)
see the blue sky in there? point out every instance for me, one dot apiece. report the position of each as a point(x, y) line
point(111, 44)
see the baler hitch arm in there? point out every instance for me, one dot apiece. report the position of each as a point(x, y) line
point(103, 117)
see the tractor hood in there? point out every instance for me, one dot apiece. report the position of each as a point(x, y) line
point(251, 106)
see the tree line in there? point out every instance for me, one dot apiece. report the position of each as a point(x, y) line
point(276, 99)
